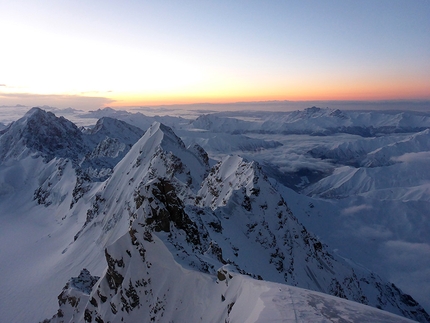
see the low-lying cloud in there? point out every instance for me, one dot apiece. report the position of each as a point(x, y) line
point(407, 254)
point(355, 209)
point(374, 232)
point(422, 156)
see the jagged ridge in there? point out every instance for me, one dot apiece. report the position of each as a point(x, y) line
point(234, 218)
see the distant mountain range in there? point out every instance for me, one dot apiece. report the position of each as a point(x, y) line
point(156, 230)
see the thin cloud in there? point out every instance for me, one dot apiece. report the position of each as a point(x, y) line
point(355, 209)
point(54, 100)
point(287, 105)
point(408, 254)
point(374, 232)
point(422, 156)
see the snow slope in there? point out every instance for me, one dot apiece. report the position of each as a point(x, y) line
point(143, 283)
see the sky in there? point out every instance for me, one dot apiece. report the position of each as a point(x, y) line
point(136, 53)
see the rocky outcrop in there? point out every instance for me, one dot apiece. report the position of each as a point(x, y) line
point(74, 297)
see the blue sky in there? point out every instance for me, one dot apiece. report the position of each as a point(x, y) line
point(161, 52)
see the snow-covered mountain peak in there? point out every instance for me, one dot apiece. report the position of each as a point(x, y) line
point(45, 119)
point(143, 283)
point(158, 155)
point(111, 126)
point(107, 112)
point(41, 133)
point(230, 174)
point(36, 111)
point(163, 154)
point(167, 134)
point(315, 111)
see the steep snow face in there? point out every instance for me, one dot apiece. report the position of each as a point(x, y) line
point(158, 154)
point(42, 134)
point(143, 283)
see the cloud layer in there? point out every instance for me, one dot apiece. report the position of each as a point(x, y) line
point(57, 100)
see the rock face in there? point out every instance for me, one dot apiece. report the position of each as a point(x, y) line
point(167, 220)
point(41, 133)
point(108, 142)
point(74, 297)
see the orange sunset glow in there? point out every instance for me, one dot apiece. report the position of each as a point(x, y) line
point(185, 54)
